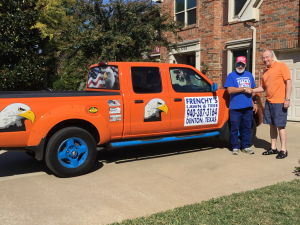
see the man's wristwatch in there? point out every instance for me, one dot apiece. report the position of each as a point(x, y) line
point(287, 99)
point(255, 102)
point(244, 89)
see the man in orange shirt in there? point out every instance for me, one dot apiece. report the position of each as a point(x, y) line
point(277, 83)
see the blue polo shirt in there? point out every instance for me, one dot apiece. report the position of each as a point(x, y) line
point(240, 100)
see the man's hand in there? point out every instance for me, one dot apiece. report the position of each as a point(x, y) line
point(249, 90)
point(255, 108)
point(286, 104)
point(258, 90)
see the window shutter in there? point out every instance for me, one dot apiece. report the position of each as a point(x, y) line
point(224, 67)
point(225, 12)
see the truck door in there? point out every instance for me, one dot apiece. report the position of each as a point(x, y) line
point(149, 101)
point(193, 105)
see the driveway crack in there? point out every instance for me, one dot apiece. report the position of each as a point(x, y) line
point(179, 182)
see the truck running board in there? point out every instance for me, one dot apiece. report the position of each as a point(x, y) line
point(159, 140)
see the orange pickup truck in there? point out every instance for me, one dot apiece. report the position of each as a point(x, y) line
point(125, 103)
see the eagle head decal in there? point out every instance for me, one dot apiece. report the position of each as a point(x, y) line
point(109, 78)
point(12, 117)
point(153, 110)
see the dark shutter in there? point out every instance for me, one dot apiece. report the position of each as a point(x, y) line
point(224, 67)
point(225, 12)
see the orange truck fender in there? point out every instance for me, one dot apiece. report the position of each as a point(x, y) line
point(72, 113)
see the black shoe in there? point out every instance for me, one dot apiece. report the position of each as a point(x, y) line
point(282, 155)
point(271, 152)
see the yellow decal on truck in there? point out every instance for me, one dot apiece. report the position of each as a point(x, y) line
point(93, 110)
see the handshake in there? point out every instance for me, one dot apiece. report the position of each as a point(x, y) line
point(248, 90)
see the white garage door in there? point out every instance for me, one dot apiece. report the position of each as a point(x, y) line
point(292, 59)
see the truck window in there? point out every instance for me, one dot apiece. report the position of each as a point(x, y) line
point(146, 80)
point(104, 77)
point(187, 80)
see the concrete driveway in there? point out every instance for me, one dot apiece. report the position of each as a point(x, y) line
point(138, 181)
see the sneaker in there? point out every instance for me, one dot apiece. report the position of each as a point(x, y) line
point(235, 151)
point(248, 151)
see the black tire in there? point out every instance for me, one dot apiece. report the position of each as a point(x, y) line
point(57, 144)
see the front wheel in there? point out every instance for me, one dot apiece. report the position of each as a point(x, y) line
point(70, 152)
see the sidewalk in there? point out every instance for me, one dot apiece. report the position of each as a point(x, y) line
point(139, 181)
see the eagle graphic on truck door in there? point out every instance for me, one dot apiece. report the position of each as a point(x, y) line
point(153, 110)
point(12, 117)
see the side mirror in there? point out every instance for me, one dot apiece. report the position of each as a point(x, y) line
point(214, 87)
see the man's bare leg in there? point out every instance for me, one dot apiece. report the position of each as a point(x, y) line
point(282, 135)
point(273, 135)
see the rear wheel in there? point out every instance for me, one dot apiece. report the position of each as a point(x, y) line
point(70, 152)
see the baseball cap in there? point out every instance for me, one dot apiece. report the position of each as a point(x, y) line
point(241, 59)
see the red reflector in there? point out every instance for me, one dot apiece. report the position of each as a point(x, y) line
point(102, 64)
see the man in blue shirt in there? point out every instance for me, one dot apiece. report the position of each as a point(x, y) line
point(239, 84)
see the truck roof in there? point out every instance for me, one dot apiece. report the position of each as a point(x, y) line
point(139, 64)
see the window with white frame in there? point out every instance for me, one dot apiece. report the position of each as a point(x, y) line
point(185, 11)
point(241, 10)
point(238, 5)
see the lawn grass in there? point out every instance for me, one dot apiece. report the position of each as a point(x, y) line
point(276, 204)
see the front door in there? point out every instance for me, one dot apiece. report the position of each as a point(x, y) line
point(243, 52)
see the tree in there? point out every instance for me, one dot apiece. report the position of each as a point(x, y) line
point(23, 64)
point(54, 17)
point(116, 31)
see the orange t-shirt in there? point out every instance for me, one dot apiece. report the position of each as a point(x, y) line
point(273, 82)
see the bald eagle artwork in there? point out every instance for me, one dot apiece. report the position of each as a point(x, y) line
point(153, 110)
point(12, 117)
point(109, 79)
point(104, 77)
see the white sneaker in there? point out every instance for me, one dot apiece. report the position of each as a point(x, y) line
point(248, 151)
point(235, 151)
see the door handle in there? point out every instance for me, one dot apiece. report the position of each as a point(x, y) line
point(138, 101)
point(177, 100)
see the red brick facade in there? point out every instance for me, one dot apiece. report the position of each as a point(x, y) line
point(276, 29)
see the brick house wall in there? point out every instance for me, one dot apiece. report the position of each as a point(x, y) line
point(277, 29)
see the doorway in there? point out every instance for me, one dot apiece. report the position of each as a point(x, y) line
point(188, 59)
point(243, 52)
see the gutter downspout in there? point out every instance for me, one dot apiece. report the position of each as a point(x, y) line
point(253, 47)
point(253, 50)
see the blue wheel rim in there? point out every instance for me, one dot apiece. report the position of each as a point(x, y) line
point(72, 153)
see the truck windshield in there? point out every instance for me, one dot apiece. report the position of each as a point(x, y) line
point(104, 77)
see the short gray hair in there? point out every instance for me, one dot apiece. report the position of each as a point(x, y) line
point(271, 52)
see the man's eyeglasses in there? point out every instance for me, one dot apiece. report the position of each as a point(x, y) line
point(240, 64)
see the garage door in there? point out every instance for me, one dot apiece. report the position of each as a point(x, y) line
point(292, 59)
